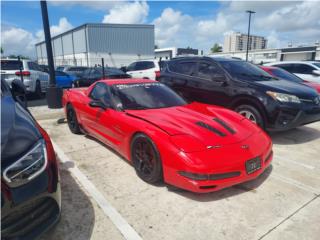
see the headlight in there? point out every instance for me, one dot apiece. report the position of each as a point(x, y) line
point(282, 97)
point(28, 167)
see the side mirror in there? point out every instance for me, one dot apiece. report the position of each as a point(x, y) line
point(316, 72)
point(98, 104)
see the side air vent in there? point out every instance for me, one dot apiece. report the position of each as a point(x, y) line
point(210, 128)
point(225, 125)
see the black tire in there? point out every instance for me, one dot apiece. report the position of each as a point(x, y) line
point(72, 120)
point(252, 113)
point(38, 92)
point(146, 159)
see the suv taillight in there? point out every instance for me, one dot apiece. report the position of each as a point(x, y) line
point(157, 74)
point(23, 73)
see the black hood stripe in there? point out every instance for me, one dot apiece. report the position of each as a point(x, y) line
point(225, 125)
point(210, 128)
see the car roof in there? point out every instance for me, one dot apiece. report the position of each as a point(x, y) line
point(125, 81)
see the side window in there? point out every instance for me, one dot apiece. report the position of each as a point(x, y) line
point(31, 66)
point(144, 65)
point(186, 68)
point(303, 69)
point(209, 71)
point(287, 67)
point(131, 67)
point(59, 73)
point(100, 92)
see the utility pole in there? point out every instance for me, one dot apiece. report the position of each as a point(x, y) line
point(54, 93)
point(248, 36)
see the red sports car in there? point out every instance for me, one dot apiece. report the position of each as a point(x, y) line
point(198, 147)
point(281, 73)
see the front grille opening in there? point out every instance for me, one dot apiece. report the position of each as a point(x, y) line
point(210, 128)
point(208, 187)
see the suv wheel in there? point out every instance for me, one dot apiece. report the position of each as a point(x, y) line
point(251, 113)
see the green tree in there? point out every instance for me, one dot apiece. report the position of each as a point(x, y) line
point(1, 50)
point(216, 48)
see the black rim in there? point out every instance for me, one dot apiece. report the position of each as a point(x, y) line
point(38, 88)
point(71, 119)
point(144, 156)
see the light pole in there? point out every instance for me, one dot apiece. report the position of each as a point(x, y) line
point(248, 36)
point(54, 93)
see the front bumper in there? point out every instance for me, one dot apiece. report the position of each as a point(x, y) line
point(289, 117)
point(30, 210)
point(221, 161)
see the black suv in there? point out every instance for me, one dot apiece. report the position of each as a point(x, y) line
point(272, 103)
point(30, 186)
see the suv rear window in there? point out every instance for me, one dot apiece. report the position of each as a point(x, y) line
point(10, 64)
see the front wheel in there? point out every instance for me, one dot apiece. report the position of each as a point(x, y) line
point(72, 120)
point(251, 113)
point(146, 159)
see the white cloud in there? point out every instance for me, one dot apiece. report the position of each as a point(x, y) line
point(171, 28)
point(18, 41)
point(95, 5)
point(132, 12)
point(64, 25)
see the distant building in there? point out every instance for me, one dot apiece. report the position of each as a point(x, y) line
point(306, 53)
point(118, 44)
point(168, 53)
point(238, 42)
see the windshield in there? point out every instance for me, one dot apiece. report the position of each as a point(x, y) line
point(146, 96)
point(245, 70)
point(10, 64)
point(280, 73)
point(114, 71)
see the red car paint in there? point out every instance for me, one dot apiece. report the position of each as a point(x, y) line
point(269, 70)
point(182, 144)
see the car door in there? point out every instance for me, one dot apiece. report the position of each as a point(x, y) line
point(181, 78)
point(210, 84)
point(34, 76)
point(305, 72)
point(131, 70)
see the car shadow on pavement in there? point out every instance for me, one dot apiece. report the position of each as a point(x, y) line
point(250, 187)
point(295, 136)
point(77, 216)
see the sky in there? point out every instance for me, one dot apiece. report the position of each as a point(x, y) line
point(197, 24)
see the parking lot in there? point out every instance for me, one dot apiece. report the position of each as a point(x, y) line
point(282, 203)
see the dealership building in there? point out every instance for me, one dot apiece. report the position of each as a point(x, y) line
point(303, 53)
point(86, 45)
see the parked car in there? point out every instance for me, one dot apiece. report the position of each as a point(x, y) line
point(149, 69)
point(35, 80)
point(92, 75)
point(65, 80)
point(273, 104)
point(197, 147)
point(281, 73)
point(75, 70)
point(306, 70)
point(30, 187)
point(62, 68)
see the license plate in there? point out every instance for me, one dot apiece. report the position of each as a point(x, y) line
point(253, 165)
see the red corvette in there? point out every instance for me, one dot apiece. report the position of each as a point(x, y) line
point(281, 73)
point(198, 147)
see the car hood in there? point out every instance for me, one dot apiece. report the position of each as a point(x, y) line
point(211, 125)
point(314, 85)
point(284, 86)
point(18, 131)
